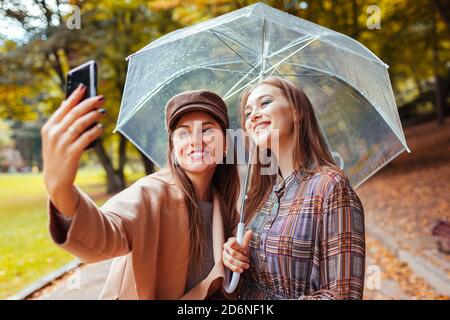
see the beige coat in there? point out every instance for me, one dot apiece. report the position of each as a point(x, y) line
point(146, 228)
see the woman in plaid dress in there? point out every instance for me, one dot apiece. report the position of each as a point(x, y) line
point(305, 237)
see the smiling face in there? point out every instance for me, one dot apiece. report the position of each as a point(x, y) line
point(266, 113)
point(198, 142)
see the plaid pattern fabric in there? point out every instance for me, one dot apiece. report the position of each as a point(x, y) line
point(308, 240)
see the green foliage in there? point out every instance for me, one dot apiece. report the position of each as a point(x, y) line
point(26, 250)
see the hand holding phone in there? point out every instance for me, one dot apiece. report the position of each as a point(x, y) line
point(65, 136)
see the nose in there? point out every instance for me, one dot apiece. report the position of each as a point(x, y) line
point(255, 115)
point(197, 136)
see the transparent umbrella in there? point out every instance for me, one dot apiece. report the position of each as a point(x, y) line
point(347, 84)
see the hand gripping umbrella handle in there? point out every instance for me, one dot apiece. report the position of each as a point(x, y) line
point(230, 287)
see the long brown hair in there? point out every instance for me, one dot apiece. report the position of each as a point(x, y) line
point(310, 150)
point(226, 182)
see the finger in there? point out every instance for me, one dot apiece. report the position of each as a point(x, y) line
point(68, 104)
point(237, 255)
point(246, 240)
point(236, 246)
point(81, 109)
point(80, 125)
point(231, 244)
point(227, 244)
point(235, 262)
point(85, 139)
point(232, 268)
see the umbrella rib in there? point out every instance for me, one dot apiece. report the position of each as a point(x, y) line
point(274, 67)
point(246, 85)
point(253, 67)
point(264, 58)
point(250, 50)
point(292, 44)
point(290, 55)
point(225, 70)
point(214, 33)
point(263, 49)
point(227, 95)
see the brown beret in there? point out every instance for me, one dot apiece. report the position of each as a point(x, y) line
point(196, 100)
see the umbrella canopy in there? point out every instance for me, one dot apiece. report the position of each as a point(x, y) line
point(347, 84)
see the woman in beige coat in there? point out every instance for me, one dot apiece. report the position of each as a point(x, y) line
point(165, 231)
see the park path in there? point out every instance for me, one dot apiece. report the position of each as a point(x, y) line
point(82, 283)
point(402, 202)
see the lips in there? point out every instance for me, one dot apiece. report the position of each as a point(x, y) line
point(260, 126)
point(198, 155)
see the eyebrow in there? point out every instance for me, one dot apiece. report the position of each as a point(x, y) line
point(203, 123)
point(259, 98)
point(208, 122)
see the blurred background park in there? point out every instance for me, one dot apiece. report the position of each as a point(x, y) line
point(40, 40)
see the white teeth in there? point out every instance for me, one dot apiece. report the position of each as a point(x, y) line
point(196, 155)
point(259, 127)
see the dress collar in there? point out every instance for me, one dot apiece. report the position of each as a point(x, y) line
point(281, 184)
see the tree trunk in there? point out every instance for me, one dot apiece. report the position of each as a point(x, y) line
point(148, 165)
point(443, 8)
point(122, 157)
point(439, 100)
point(438, 94)
point(57, 67)
point(114, 179)
point(355, 28)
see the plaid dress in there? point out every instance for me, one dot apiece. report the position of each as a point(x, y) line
point(308, 240)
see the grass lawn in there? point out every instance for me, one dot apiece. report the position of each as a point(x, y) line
point(26, 250)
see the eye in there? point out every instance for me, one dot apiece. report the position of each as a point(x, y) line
point(266, 102)
point(181, 133)
point(208, 130)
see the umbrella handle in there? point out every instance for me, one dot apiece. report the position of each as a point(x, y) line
point(230, 287)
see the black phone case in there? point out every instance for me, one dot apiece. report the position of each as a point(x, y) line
point(87, 75)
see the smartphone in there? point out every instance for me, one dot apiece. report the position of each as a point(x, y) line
point(87, 75)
